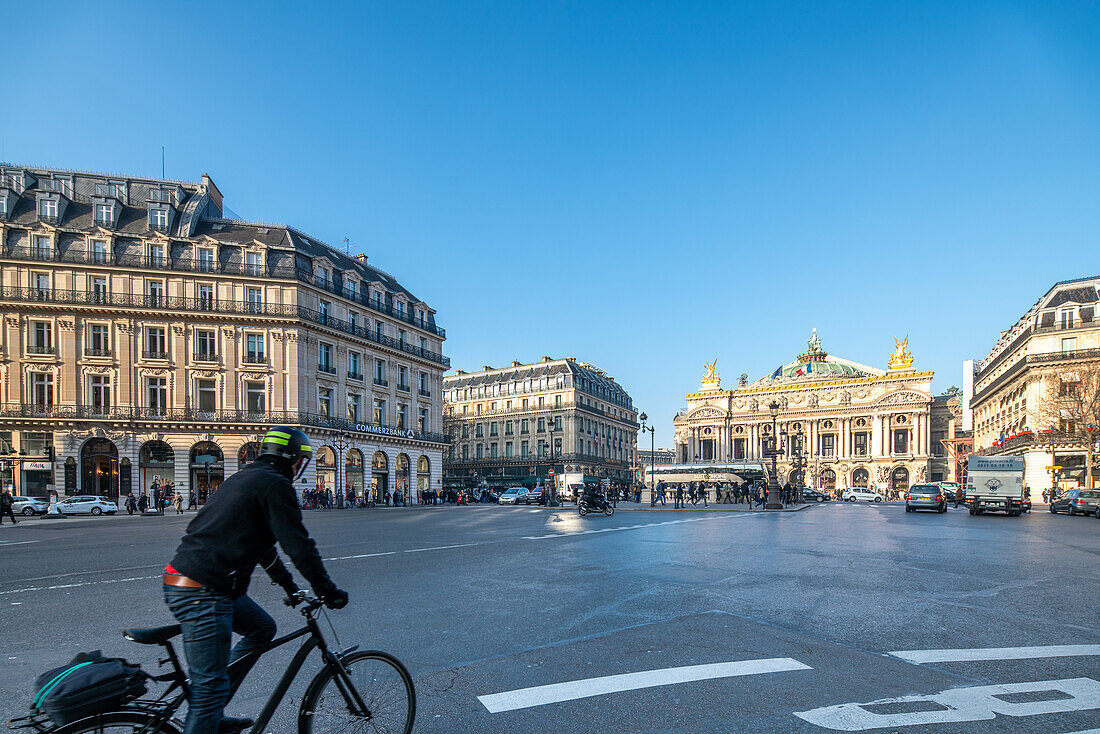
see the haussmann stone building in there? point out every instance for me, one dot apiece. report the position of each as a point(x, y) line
point(147, 337)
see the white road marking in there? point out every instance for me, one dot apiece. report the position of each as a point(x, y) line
point(995, 653)
point(957, 705)
point(362, 555)
point(78, 585)
point(1089, 731)
point(572, 690)
point(18, 542)
point(441, 547)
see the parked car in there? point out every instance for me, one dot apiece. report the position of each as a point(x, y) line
point(812, 495)
point(82, 504)
point(29, 505)
point(925, 497)
point(516, 496)
point(1077, 502)
point(861, 494)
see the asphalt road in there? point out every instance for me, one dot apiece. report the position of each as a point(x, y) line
point(691, 621)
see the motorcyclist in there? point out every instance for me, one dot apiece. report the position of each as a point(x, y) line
point(591, 496)
point(205, 585)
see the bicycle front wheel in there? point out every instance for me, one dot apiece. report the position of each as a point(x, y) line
point(383, 685)
point(119, 722)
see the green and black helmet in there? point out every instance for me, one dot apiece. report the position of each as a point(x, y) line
point(287, 443)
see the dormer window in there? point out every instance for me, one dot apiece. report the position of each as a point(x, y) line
point(323, 277)
point(47, 210)
point(253, 263)
point(99, 254)
point(206, 260)
point(156, 256)
point(104, 214)
point(158, 219)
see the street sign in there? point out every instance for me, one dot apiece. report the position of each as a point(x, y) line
point(551, 472)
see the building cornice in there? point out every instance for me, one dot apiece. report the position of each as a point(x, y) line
point(788, 387)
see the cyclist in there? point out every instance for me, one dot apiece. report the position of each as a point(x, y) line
point(205, 584)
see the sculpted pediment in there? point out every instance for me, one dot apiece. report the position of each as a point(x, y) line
point(706, 412)
point(903, 397)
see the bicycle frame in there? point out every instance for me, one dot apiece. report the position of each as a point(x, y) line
point(316, 640)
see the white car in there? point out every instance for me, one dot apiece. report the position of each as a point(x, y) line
point(861, 494)
point(82, 504)
point(29, 505)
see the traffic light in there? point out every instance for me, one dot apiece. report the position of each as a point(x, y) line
point(49, 452)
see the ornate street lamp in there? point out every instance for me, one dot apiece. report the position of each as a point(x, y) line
point(341, 444)
point(774, 501)
point(652, 452)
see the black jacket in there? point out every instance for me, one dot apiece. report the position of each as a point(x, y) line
point(238, 527)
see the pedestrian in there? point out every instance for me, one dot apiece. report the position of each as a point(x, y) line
point(179, 503)
point(143, 502)
point(703, 491)
point(191, 500)
point(679, 496)
point(131, 503)
point(6, 503)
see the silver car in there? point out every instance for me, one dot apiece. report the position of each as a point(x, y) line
point(29, 505)
point(925, 497)
point(514, 496)
point(87, 504)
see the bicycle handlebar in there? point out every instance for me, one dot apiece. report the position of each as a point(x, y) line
point(311, 602)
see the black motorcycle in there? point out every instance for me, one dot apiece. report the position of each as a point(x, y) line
point(598, 504)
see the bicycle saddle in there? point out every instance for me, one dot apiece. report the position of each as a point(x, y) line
point(152, 635)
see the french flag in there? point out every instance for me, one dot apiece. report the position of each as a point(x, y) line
point(778, 372)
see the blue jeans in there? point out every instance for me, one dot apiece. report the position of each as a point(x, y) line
point(208, 619)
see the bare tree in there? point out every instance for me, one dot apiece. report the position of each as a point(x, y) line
point(1070, 404)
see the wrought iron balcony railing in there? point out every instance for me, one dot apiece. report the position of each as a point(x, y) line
point(40, 349)
point(97, 352)
point(178, 303)
point(129, 414)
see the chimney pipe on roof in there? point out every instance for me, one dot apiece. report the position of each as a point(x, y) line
point(486, 368)
point(361, 258)
point(546, 359)
point(515, 363)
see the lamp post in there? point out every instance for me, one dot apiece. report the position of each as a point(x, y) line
point(341, 444)
point(774, 501)
point(652, 452)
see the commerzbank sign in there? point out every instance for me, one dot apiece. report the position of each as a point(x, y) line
point(384, 430)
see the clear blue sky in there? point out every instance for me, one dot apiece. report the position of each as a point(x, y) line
point(646, 186)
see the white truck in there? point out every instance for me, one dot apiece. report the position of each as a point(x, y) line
point(570, 486)
point(995, 483)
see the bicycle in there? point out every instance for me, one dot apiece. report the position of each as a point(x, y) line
point(356, 690)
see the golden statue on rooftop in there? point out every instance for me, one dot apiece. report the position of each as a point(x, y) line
point(711, 377)
point(901, 359)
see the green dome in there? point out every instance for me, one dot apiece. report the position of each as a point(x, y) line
point(822, 369)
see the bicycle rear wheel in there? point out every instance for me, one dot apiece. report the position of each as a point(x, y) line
point(384, 686)
point(119, 722)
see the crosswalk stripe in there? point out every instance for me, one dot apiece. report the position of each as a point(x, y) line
point(995, 653)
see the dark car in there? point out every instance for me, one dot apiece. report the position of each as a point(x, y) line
point(1077, 502)
point(812, 495)
point(925, 497)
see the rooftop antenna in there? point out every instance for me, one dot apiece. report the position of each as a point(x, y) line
point(162, 161)
point(347, 246)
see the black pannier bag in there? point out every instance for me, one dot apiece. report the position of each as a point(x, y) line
point(90, 684)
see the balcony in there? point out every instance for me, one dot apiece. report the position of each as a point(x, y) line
point(424, 393)
point(154, 354)
point(328, 369)
point(255, 358)
point(97, 352)
point(40, 349)
point(177, 303)
point(403, 388)
point(206, 357)
point(355, 375)
point(258, 419)
point(380, 382)
point(375, 305)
